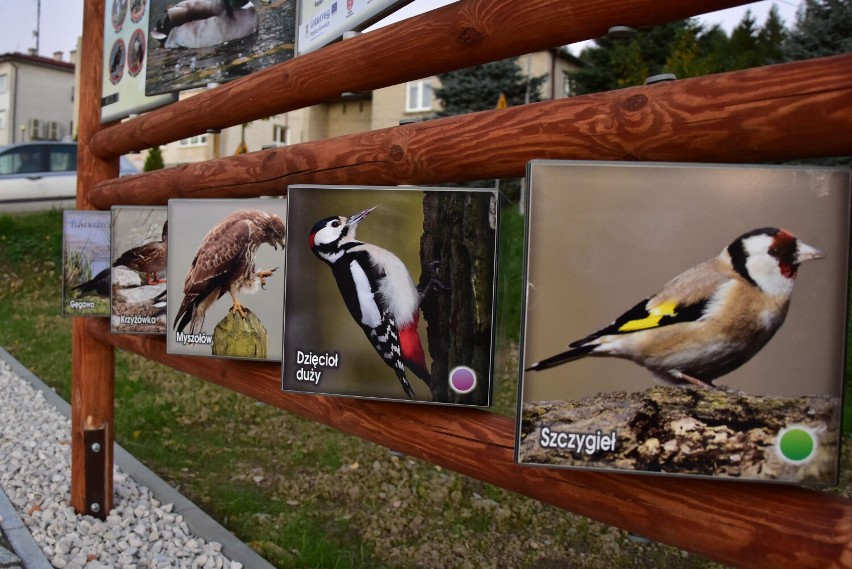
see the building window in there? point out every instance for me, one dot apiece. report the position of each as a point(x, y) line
point(3, 83)
point(3, 120)
point(279, 135)
point(566, 84)
point(200, 140)
point(418, 96)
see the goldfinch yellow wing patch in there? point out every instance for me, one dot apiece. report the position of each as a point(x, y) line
point(652, 320)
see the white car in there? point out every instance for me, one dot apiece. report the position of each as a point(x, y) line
point(41, 175)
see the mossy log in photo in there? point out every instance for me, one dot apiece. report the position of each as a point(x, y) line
point(688, 431)
point(239, 337)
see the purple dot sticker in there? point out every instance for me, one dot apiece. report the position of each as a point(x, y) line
point(462, 379)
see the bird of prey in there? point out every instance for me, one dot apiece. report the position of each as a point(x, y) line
point(149, 258)
point(224, 263)
point(709, 320)
point(99, 285)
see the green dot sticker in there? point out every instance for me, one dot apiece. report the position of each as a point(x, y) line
point(796, 444)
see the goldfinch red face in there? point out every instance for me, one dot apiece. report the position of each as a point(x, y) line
point(769, 258)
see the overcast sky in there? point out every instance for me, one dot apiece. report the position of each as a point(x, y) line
point(62, 21)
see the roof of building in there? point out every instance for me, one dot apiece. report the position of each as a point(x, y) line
point(37, 60)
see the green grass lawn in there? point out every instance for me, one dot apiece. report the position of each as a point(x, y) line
point(301, 494)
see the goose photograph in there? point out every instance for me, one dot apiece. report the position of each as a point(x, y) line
point(197, 43)
point(125, 62)
point(85, 263)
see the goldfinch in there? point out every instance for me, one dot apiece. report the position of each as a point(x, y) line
point(707, 321)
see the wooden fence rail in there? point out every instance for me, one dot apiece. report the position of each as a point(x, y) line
point(743, 524)
point(775, 113)
point(745, 116)
point(453, 37)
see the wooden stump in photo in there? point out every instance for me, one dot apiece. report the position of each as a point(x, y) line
point(239, 337)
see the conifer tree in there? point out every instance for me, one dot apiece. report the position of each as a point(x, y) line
point(771, 37)
point(823, 27)
point(154, 160)
point(478, 88)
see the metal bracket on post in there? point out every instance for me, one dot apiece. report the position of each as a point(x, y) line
point(94, 440)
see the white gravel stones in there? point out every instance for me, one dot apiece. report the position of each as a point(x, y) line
point(35, 467)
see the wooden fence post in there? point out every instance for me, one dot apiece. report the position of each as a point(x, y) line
point(92, 361)
point(740, 116)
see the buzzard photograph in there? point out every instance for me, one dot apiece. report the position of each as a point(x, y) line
point(233, 247)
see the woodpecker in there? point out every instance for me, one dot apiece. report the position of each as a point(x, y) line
point(378, 291)
point(709, 320)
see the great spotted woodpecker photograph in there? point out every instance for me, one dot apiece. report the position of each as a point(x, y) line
point(690, 313)
point(226, 277)
point(381, 291)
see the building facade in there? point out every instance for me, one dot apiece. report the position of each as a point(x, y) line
point(36, 98)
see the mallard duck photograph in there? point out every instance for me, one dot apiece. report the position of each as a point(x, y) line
point(139, 261)
point(149, 258)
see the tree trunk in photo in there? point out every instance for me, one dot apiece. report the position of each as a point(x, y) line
point(457, 251)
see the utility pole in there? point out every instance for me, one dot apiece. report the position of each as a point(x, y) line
point(37, 31)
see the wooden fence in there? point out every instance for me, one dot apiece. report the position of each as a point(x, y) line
point(775, 113)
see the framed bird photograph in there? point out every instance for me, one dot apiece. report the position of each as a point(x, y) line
point(139, 243)
point(125, 61)
point(685, 319)
point(85, 263)
point(390, 293)
point(197, 43)
point(226, 277)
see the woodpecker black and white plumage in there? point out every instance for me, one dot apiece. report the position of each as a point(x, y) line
point(709, 320)
point(378, 291)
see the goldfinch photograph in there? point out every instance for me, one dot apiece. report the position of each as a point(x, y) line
point(711, 281)
point(709, 320)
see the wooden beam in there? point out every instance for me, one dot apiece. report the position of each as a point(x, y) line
point(743, 524)
point(755, 115)
point(462, 34)
point(92, 360)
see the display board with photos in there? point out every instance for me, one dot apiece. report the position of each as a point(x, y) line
point(125, 61)
point(391, 293)
point(139, 244)
point(322, 22)
point(685, 319)
point(226, 278)
point(85, 263)
point(198, 43)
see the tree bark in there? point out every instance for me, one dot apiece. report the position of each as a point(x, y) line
point(458, 233)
